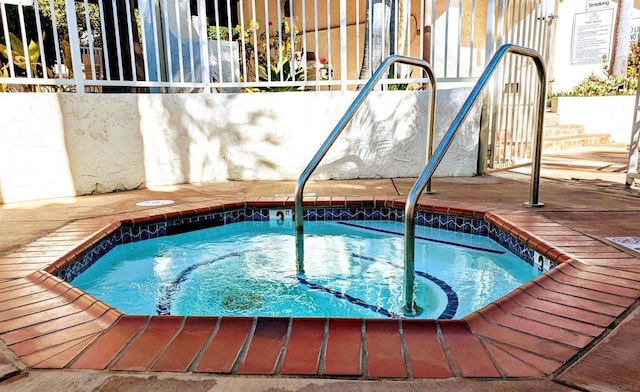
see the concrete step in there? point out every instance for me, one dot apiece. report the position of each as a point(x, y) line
point(556, 131)
point(551, 131)
point(567, 141)
point(563, 130)
point(559, 142)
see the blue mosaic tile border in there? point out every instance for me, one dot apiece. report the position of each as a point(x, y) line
point(514, 245)
point(510, 242)
point(87, 259)
point(133, 233)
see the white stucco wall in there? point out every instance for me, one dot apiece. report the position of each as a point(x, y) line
point(612, 115)
point(56, 145)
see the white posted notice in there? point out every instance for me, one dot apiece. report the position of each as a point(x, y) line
point(591, 36)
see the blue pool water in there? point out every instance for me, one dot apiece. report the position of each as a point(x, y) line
point(352, 269)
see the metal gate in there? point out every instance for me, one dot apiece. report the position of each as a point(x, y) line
point(508, 116)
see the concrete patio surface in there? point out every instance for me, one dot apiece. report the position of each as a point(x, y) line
point(582, 189)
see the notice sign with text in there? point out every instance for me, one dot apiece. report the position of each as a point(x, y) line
point(598, 4)
point(591, 36)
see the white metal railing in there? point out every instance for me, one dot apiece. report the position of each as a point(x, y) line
point(242, 45)
point(510, 115)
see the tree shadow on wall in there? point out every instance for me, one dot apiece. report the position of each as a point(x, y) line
point(385, 138)
point(213, 137)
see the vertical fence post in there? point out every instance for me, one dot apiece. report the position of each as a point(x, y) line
point(74, 43)
point(343, 45)
point(486, 119)
point(204, 44)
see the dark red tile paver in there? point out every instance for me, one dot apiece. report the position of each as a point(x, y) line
point(343, 355)
point(425, 353)
point(20, 302)
point(110, 343)
point(222, 352)
point(48, 325)
point(609, 271)
point(576, 272)
point(302, 354)
point(148, 345)
point(182, 351)
point(265, 346)
point(384, 349)
point(48, 305)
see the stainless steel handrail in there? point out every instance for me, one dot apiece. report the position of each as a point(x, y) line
point(427, 173)
point(304, 177)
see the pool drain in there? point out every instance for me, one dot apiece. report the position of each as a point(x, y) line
point(154, 203)
point(242, 301)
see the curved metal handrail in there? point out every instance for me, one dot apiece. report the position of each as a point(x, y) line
point(304, 177)
point(427, 173)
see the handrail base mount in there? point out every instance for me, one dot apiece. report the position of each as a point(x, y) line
point(412, 312)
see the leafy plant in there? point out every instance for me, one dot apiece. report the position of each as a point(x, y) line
point(233, 34)
point(633, 60)
point(274, 55)
point(17, 52)
point(284, 71)
point(401, 86)
point(32, 67)
point(59, 11)
point(218, 33)
point(600, 86)
point(267, 54)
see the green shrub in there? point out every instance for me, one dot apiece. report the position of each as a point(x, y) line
point(598, 86)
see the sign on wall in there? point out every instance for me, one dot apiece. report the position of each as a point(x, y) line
point(591, 36)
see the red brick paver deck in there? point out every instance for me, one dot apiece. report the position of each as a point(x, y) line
point(532, 332)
